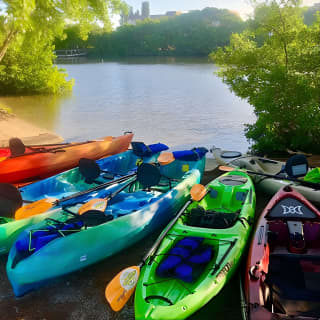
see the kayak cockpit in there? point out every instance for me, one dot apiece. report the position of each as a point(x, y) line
point(291, 268)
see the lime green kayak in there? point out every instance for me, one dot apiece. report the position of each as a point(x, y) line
point(200, 253)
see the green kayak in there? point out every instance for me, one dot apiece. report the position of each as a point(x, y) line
point(200, 253)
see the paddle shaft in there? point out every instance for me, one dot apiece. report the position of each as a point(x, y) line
point(170, 225)
point(54, 149)
point(101, 186)
point(304, 183)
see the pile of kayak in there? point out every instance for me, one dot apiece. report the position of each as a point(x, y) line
point(65, 207)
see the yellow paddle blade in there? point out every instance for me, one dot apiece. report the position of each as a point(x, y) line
point(34, 208)
point(121, 287)
point(197, 192)
point(165, 158)
point(227, 169)
point(2, 158)
point(94, 204)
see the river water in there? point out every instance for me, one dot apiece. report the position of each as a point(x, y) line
point(180, 102)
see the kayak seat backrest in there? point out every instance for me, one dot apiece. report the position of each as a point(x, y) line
point(186, 260)
point(92, 218)
point(212, 219)
point(280, 232)
point(312, 234)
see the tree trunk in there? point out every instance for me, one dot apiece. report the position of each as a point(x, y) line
point(6, 43)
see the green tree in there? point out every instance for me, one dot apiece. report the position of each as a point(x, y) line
point(43, 21)
point(274, 64)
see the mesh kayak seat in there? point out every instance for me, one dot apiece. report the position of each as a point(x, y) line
point(177, 254)
point(190, 270)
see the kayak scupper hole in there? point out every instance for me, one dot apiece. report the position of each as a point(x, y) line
point(184, 308)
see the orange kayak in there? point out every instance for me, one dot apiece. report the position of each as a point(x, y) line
point(40, 162)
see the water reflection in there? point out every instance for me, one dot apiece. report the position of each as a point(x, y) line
point(43, 111)
point(176, 101)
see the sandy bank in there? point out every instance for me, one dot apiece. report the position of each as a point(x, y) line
point(12, 126)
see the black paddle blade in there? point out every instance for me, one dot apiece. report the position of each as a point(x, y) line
point(10, 200)
point(148, 175)
point(17, 147)
point(89, 169)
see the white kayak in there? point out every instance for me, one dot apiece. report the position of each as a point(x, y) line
point(265, 166)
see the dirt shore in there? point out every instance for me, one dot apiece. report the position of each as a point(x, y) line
point(11, 126)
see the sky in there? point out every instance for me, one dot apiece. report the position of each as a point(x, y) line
point(161, 6)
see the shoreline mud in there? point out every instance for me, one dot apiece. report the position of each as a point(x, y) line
point(12, 126)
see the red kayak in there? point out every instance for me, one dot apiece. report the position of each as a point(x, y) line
point(283, 269)
point(20, 164)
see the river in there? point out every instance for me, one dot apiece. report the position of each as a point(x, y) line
point(180, 102)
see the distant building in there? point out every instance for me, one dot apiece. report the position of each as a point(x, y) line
point(145, 10)
point(132, 18)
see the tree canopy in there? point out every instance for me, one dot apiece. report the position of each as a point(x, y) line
point(192, 34)
point(274, 64)
point(27, 31)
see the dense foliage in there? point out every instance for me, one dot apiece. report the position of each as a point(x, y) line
point(28, 29)
point(193, 34)
point(275, 65)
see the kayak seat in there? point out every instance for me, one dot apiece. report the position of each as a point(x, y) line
point(294, 285)
point(199, 217)
point(92, 218)
point(186, 260)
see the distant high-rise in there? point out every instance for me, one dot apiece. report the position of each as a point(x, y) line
point(145, 10)
point(132, 17)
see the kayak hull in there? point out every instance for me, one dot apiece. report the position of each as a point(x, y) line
point(35, 166)
point(154, 293)
point(63, 185)
point(268, 166)
point(89, 246)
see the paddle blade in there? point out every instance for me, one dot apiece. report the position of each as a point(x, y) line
point(226, 169)
point(165, 158)
point(121, 287)
point(94, 204)
point(34, 208)
point(197, 192)
point(2, 158)
point(10, 200)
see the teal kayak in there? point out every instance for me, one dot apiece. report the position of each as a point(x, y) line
point(130, 216)
point(69, 183)
point(200, 253)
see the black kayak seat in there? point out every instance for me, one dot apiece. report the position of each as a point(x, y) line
point(294, 290)
point(199, 217)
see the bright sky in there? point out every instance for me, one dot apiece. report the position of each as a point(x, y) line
point(162, 6)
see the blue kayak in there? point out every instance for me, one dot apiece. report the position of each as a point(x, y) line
point(67, 241)
point(76, 181)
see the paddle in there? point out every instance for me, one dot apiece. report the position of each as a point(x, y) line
point(302, 182)
point(90, 170)
point(147, 174)
point(122, 286)
point(17, 147)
